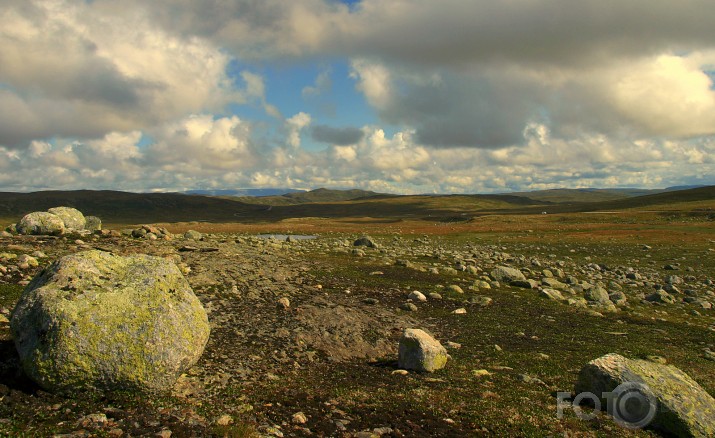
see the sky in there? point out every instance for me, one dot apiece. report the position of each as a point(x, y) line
point(399, 96)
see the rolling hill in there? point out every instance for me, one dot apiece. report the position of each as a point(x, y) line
point(124, 208)
point(313, 196)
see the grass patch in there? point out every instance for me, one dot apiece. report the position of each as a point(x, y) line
point(9, 295)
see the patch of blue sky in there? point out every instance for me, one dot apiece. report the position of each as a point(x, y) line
point(338, 104)
point(711, 75)
point(351, 3)
point(145, 140)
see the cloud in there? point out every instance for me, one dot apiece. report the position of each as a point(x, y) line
point(500, 65)
point(338, 136)
point(475, 95)
point(83, 69)
point(323, 84)
point(203, 144)
point(666, 95)
point(295, 125)
point(201, 151)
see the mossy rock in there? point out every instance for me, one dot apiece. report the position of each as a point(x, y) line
point(682, 406)
point(92, 223)
point(193, 235)
point(72, 218)
point(507, 274)
point(41, 223)
point(418, 351)
point(97, 320)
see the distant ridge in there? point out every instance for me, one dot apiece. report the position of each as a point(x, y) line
point(133, 208)
point(313, 196)
point(243, 192)
point(595, 194)
point(114, 206)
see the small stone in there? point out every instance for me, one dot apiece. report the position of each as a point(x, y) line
point(525, 284)
point(660, 296)
point(481, 301)
point(193, 235)
point(481, 373)
point(434, 296)
point(530, 380)
point(365, 241)
point(92, 421)
point(165, 433)
point(400, 372)
point(417, 296)
point(380, 431)
point(409, 307)
point(506, 274)
point(283, 303)
point(551, 294)
point(299, 418)
point(224, 420)
point(460, 311)
point(456, 289)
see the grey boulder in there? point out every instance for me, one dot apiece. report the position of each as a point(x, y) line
point(193, 235)
point(97, 320)
point(677, 403)
point(365, 241)
point(93, 223)
point(419, 351)
point(72, 218)
point(41, 223)
point(506, 274)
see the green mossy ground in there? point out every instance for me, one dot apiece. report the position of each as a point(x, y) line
point(536, 337)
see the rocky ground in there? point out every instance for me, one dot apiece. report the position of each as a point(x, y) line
point(304, 333)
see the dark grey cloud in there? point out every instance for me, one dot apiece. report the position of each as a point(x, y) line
point(454, 32)
point(462, 111)
point(562, 32)
point(337, 136)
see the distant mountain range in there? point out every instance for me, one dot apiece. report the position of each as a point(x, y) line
point(243, 192)
point(305, 197)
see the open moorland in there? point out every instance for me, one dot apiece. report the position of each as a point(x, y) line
point(304, 331)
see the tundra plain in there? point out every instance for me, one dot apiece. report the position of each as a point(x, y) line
point(326, 363)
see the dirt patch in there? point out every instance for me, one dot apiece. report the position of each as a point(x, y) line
point(345, 331)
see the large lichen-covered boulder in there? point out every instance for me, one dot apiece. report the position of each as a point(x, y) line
point(421, 352)
point(73, 219)
point(683, 407)
point(41, 223)
point(97, 320)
